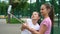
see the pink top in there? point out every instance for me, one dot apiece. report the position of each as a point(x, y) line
point(48, 23)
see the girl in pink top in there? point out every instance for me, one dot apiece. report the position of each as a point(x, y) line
point(46, 24)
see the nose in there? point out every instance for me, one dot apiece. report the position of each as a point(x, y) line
point(33, 15)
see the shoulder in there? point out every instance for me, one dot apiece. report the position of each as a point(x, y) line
point(28, 20)
point(46, 22)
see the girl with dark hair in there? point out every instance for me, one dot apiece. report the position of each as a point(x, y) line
point(32, 23)
point(45, 27)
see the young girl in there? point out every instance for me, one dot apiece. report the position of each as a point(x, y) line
point(32, 23)
point(46, 24)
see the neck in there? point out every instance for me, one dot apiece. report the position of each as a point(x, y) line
point(46, 16)
point(34, 22)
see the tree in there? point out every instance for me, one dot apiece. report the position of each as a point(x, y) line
point(59, 6)
point(42, 1)
point(3, 8)
point(20, 6)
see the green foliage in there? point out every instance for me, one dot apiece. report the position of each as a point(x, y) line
point(3, 8)
point(14, 21)
point(22, 7)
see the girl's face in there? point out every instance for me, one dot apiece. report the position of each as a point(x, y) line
point(35, 15)
point(44, 10)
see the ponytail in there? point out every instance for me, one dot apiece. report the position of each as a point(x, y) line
point(51, 14)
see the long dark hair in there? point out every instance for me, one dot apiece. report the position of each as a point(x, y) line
point(39, 21)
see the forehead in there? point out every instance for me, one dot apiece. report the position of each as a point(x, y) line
point(43, 6)
point(35, 12)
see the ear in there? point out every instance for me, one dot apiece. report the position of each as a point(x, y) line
point(48, 10)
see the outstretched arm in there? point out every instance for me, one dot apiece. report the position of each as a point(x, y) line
point(42, 30)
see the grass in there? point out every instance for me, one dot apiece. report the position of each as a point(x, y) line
point(13, 21)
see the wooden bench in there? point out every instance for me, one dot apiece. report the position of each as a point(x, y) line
point(2, 16)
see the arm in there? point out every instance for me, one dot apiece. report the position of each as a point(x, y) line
point(41, 31)
point(23, 27)
point(32, 30)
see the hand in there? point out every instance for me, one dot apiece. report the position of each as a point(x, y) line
point(25, 25)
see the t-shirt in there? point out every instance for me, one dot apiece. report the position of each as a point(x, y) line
point(48, 23)
point(36, 27)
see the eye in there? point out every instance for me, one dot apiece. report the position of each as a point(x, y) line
point(35, 14)
point(42, 9)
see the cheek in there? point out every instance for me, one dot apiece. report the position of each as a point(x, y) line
point(35, 16)
point(44, 11)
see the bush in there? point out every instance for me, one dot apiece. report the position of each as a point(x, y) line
point(13, 21)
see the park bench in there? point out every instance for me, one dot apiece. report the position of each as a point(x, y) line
point(2, 16)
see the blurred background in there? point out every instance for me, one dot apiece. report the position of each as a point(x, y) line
point(23, 9)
